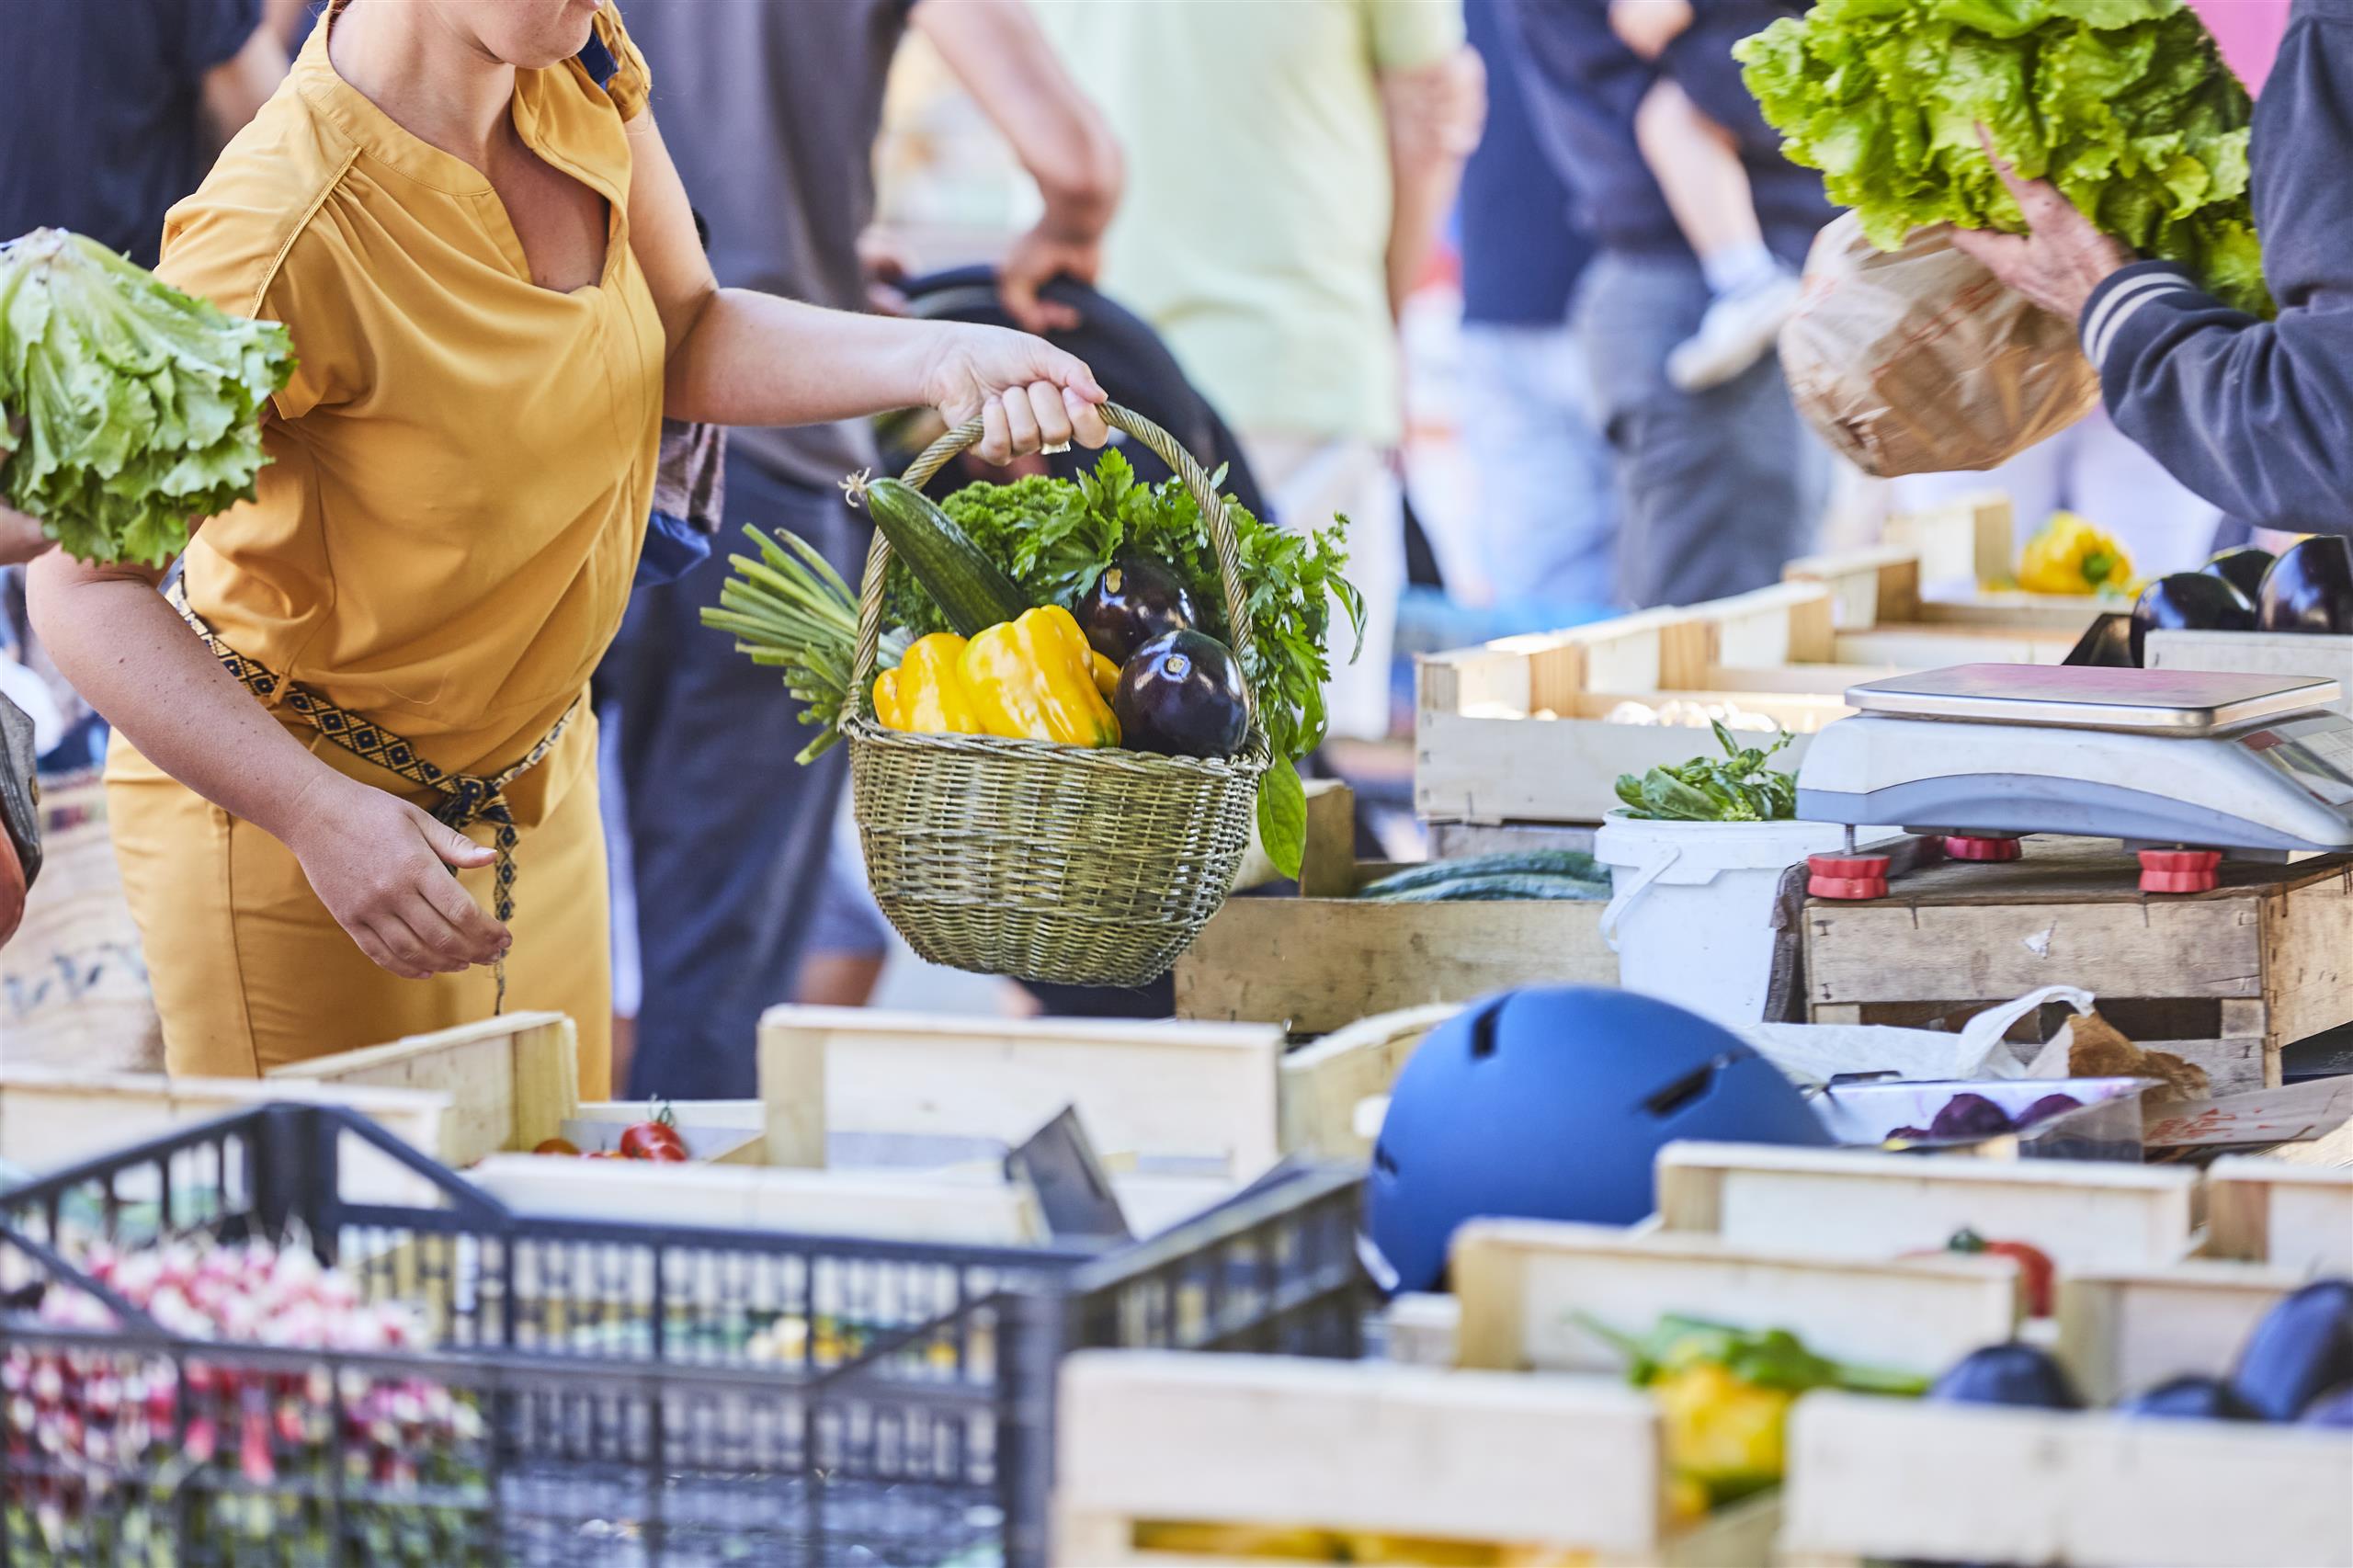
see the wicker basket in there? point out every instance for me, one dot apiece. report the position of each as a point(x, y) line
point(1071, 865)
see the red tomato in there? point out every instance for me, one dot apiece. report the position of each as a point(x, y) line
point(2034, 1273)
point(555, 1146)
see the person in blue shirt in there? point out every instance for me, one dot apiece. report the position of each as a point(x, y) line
point(1546, 529)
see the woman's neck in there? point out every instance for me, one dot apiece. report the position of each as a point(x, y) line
point(438, 83)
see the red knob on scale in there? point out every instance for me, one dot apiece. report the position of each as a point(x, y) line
point(1971, 846)
point(2180, 870)
point(1854, 877)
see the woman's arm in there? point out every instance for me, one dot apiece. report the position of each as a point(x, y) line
point(378, 863)
point(737, 357)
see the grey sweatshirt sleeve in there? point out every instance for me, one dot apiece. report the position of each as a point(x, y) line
point(2256, 416)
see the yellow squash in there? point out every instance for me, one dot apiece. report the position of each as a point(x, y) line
point(924, 694)
point(1035, 678)
point(2068, 555)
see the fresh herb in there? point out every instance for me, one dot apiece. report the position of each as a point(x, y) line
point(126, 407)
point(790, 609)
point(2122, 104)
point(1738, 788)
point(1056, 535)
point(1770, 1357)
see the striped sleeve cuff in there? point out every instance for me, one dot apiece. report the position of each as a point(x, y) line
point(2122, 295)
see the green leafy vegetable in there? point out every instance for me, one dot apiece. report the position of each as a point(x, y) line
point(2124, 105)
point(1766, 1359)
point(126, 407)
point(1738, 788)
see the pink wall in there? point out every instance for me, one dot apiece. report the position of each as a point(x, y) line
point(2249, 33)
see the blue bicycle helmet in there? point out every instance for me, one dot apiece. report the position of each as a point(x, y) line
point(1552, 1105)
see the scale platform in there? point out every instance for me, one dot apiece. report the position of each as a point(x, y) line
point(2233, 762)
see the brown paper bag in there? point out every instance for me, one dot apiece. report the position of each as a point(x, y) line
point(1919, 360)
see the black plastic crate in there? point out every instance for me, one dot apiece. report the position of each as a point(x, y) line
point(585, 1392)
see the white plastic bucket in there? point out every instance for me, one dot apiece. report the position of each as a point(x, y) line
point(1691, 910)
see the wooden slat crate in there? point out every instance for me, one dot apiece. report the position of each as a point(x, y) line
point(1186, 1091)
point(1325, 1083)
point(1522, 1283)
point(1880, 589)
point(2258, 653)
point(1315, 964)
point(1876, 1480)
point(2297, 1218)
point(2124, 1331)
point(1967, 541)
point(512, 1080)
point(51, 1116)
point(1167, 1458)
point(2262, 961)
point(1860, 1203)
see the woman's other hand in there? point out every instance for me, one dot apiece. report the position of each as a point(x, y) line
point(382, 867)
point(1031, 394)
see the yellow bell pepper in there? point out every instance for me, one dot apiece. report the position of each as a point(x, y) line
point(1034, 678)
point(2068, 555)
point(1107, 672)
point(924, 694)
point(1723, 1432)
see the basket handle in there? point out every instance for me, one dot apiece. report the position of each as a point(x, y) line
point(935, 458)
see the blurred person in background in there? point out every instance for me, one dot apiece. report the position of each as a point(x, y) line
point(729, 840)
point(1546, 524)
point(1289, 164)
point(1717, 488)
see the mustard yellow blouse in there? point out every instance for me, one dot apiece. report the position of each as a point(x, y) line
point(463, 464)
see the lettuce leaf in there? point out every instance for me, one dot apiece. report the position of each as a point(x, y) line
point(2124, 105)
point(126, 408)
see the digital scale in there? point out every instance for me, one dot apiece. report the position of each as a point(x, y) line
point(2191, 764)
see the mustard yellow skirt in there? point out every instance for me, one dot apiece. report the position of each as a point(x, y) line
point(250, 971)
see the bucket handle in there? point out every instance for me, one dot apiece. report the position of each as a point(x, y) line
point(1623, 899)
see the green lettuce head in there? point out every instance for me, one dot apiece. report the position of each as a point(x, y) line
point(2124, 105)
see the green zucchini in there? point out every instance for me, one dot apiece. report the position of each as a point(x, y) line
point(1530, 862)
point(971, 590)
point(1499, 885)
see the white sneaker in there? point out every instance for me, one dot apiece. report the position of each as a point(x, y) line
point(1737, 331)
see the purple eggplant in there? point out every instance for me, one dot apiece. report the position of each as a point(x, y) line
point(1181, 694)
point(2302, 1348)
point(2009, 1374)
point(2333, 1410)
point(2242, 568)
point(1970, 1115)
point(2310, 587)
point(2188, 601)
point(1134, 600)
point(2047, 1106)
point(2193, 1396)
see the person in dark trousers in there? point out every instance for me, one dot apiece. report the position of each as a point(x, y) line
point(1718, 488)
point(1547, 523)
point(2256, 416)
point(729, 837)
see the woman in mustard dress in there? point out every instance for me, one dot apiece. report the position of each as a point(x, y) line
point(372, 674)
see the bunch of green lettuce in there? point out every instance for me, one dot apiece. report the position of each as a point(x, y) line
point(126, 407)
point(1055, 537)
point(2124, 105)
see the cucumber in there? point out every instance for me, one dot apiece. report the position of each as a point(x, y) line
point(1529, 862)
point(971, 590)
point(1499, 885)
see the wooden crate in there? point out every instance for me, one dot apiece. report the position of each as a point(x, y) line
point(1313, 965)
point(1963, 543)
point(1522, 1283)
point(512, 1080)
point(1859, 1203)
point(1368, 1461)
point(2226, 978)
point(2296, 1217)
point(1200, 1093)
point(1322, 1084)
point(1879, 1480)
point(2124, 1331)
point(2258, 653)
point(1880, 589)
